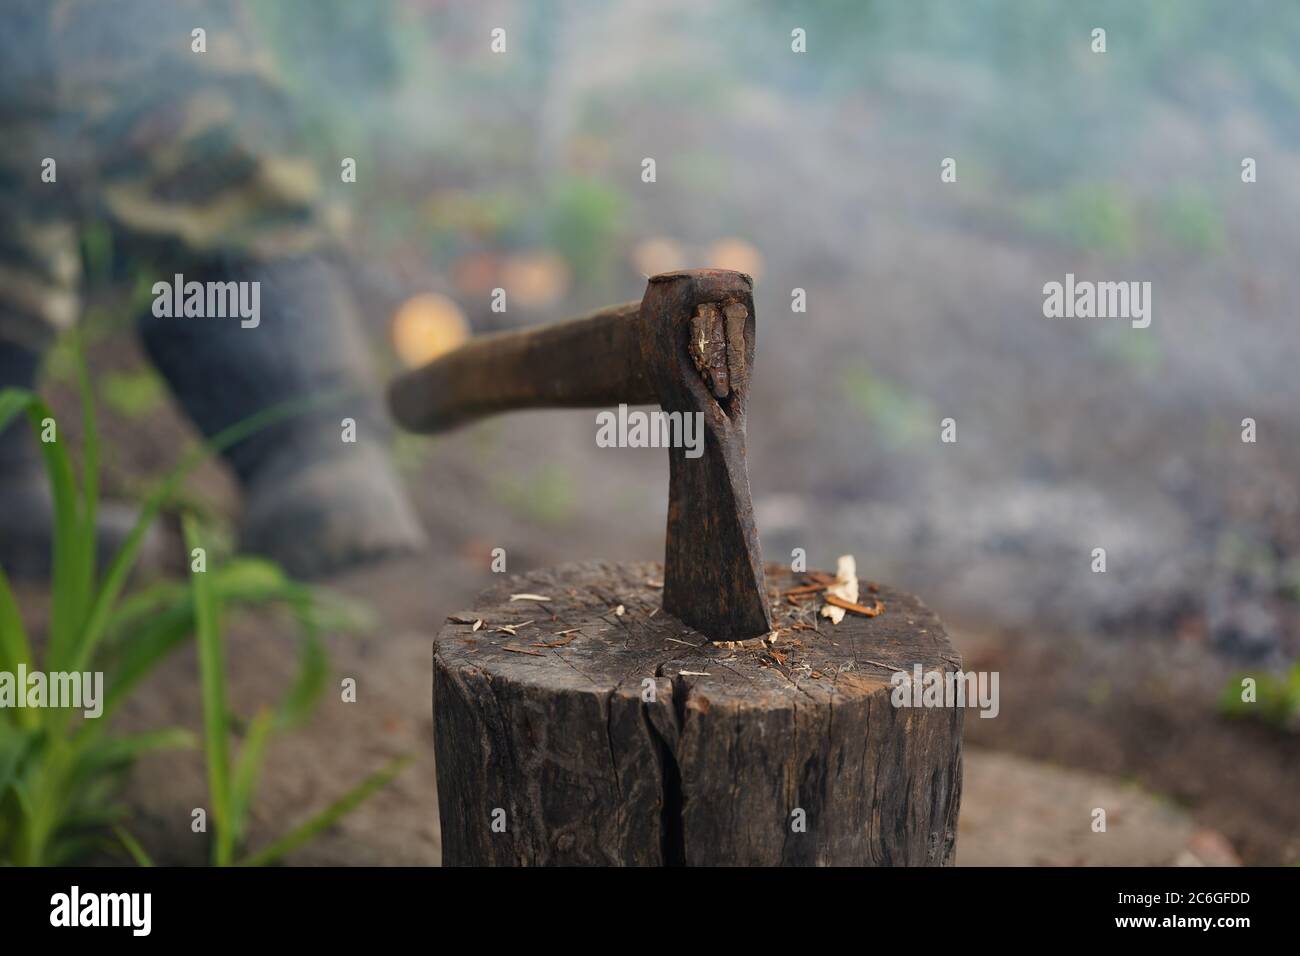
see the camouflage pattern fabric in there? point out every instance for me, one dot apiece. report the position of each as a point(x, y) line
point(186, 156)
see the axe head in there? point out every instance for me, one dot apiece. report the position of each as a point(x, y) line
point(697, 346)
point(688, 345)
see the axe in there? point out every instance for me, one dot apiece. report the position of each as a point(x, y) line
point(687, 346)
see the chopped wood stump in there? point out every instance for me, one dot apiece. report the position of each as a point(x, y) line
point(593, 728)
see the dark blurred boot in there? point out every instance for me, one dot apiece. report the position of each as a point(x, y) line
point(26, 505)
point(312, 502)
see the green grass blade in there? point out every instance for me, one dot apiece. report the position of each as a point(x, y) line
point(115, 578)
point(249, 766)
point(14, 648)
point(331, 815)
point(13, 402)
point(313, 669)
point(147, 648)
point(14, 746)
point(244, 579)
point(30, 843)
point(68, 584)
point(115, 753)
point(136, 611)
point(66, 851)
point(216, 712)
point(89, 477)
point(132, 846)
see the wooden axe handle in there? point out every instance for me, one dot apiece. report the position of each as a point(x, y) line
point(582, 363)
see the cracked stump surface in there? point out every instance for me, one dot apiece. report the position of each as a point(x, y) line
point(589, 736)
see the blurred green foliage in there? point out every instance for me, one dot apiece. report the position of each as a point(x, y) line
point(132, 394)
point(1140, 353)
point(544, 496)
point(582, 218)
point(1277, 699)
point(97, 251)
point(1191, 221)
point(60, 771)
point(1099, 217)
point(1104, 217)
point(899, 417)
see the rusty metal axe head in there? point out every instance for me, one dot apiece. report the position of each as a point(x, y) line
point(688, 346)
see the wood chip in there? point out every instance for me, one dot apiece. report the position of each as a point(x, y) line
point(656, 585)
point(846, 580)
point(843, 593)
point(560, 643)
point(528, 597)
point(695, 673)
point(806, 589)
point(836, 614)
point(461, 619)
point(521, 650)
point(478, 624)
point(619, 611)
point(854, 607)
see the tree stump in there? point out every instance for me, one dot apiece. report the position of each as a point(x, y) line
point(604, 731)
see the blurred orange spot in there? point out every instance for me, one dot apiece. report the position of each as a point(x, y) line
point(653, 256)
point(535, 279)
point(736, 254)
point(476, 274)
point(427, 326)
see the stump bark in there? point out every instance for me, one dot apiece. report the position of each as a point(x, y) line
point(586, 734)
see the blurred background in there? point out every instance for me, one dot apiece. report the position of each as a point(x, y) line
point(821, 171)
